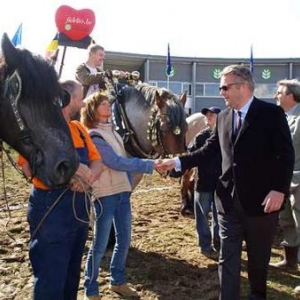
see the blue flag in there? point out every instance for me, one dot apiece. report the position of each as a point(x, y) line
point(169, 68)
point(251, 60)
point(17, 39)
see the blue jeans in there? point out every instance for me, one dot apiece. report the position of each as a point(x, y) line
point(57, 243)
point(109, 210)
point(203, 204)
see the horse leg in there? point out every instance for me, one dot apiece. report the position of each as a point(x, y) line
point(137, 177)
point(187, 193)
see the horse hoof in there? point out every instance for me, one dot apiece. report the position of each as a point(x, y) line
point(186, 212)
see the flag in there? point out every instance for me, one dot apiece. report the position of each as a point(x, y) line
point(52, 50)
point(169, 68)
point(17, 39)
point(251, 60)
point(52, 47)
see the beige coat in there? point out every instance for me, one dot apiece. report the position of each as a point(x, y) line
point(111, 181)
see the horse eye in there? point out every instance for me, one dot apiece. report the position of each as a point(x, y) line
point(165, 126)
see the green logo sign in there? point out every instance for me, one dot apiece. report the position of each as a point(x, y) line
point(216, 73)
point(266, 74)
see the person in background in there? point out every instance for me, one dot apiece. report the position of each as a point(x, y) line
point(59, 218)
point(288, 97)
point(112, 193)
point(91, 75)
point(254, 140)
point(205, 185)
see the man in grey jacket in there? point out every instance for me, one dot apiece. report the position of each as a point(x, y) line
point(90, 74)
point(288, 97)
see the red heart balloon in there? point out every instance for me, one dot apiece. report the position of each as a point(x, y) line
point(75, 24)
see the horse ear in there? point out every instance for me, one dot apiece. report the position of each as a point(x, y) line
point(160, 102)
point(10, 53)
point(183, 97)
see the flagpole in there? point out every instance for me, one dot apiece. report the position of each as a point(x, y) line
point(169, 69)
point(62, 62)
point(251, 63)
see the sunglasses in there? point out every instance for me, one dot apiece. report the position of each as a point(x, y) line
point(227, 87)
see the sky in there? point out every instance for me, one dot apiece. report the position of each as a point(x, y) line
point(194, 28)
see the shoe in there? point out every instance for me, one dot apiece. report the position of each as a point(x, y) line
point(290, 260)
point(124, 290)
point(212, 254)
point(92, 297)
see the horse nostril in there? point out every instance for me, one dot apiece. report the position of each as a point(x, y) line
point(62, 170)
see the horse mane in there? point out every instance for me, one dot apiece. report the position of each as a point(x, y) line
point(38, 78)
point(146, 95)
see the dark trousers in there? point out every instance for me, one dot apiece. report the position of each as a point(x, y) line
point(259, 233)
point(57, 247)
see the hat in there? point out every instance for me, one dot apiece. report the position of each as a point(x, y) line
point(212, 109)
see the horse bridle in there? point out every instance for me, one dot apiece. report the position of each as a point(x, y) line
point(154, 132)
point(12, 91)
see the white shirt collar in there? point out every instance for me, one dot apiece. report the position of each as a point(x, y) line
point(245, 108)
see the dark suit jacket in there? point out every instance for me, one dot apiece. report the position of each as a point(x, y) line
point(260, 160)
point(207, 175)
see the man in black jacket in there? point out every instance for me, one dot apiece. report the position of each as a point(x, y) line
point(205, 185)
point(255, 143)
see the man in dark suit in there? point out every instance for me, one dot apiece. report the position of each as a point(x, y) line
point(257, 166)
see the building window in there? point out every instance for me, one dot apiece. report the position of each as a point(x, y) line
point(187, 87)
point(153, 83)
point(211, 90)
point(265, 90)
point(174, 87)
point(199, 90)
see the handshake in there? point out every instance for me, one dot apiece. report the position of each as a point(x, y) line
point(164, 165)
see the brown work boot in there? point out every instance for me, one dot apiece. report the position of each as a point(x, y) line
point(290, 260)
point(124, 290)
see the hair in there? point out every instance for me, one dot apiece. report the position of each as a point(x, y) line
point(70, 86)
point(242, 72)
point(88, 116)
point(94, 48)
point(292, 87)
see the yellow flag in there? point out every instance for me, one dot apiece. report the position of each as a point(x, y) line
point(52, 47)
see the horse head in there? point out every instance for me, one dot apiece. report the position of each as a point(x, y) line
point(170, 123)
point(31, 120)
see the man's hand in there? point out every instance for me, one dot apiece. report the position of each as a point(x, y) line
point(273, 201)
point(81, 181)
point(165, 165)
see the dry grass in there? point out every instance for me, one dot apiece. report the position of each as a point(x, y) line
point(164, 262)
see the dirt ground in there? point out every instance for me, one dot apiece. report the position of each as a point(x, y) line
point(164, 261)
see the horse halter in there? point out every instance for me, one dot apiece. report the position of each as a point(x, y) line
point(154, 132)
point(12, 91)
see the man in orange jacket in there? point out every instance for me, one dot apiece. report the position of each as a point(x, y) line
point(59, 218)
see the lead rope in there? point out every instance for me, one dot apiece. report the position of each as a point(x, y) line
point(4, 188)
point(14, 164)
point(88, 198)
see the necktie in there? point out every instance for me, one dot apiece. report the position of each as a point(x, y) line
point(238, 124)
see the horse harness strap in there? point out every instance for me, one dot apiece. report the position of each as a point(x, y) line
point(130, 137)
point(12, 90)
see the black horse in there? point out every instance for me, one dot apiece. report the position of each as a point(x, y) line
point(31, 120)
point(151, 121)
